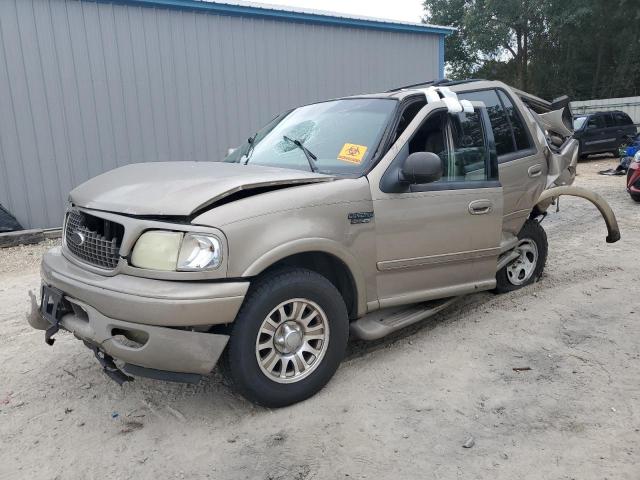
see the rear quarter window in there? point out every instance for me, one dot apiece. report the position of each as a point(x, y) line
point(622, 119)
point(520, 133)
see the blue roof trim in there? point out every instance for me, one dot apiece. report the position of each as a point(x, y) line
point(292, 16)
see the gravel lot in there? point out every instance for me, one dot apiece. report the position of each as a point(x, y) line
point(398, 408)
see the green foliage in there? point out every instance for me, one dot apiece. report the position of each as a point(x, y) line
point(583, 48)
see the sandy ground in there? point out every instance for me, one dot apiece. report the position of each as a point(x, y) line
point(398, 408)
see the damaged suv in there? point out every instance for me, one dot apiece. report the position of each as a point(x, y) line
point(356, 216)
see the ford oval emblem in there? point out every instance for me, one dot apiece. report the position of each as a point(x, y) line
point(77, 238)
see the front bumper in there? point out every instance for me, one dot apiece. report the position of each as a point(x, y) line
point(145, 300)
point(129, 318)
point(156, 349)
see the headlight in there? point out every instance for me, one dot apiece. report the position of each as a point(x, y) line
point(157, 250)
point(171, 251)
point(199, 252)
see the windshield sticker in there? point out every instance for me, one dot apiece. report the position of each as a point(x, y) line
point(352, 153)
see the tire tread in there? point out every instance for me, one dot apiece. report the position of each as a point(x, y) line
point(261, 290)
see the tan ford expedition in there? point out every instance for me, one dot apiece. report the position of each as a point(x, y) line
point(351, 217)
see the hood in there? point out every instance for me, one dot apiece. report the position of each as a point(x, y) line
point(180, 188)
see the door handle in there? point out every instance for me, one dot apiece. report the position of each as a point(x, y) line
point(480, 207)
point(535, 171)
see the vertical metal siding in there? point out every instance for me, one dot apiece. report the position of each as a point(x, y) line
point(87, 87)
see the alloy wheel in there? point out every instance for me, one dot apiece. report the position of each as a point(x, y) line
point(292, 340)
point(520, 270)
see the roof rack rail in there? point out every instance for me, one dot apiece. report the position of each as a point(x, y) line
point(413, 85)
point(435, 83)
point(459, 82)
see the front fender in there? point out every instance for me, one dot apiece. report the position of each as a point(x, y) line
point(305, 245)
point(600, 203)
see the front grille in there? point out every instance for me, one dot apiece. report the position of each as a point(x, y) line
point(95, 240)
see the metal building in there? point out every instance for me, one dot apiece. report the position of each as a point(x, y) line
point(87, 86)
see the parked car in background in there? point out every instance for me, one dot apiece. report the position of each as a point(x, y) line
point(602, 132)
point(633, 178)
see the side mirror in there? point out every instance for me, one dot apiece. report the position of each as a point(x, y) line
point(421, 167)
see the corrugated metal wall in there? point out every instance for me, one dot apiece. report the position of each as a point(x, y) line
point(86, 87)
point(630, 105)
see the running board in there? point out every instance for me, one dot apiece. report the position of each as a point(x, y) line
point(383, 322)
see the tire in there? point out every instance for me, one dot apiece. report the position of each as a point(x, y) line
point(635, 197)
point(277, 300)
point(581, 155)
point(534, 247)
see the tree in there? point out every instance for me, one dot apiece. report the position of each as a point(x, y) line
point(489, 30)
point(463, 59)
point(584, 48)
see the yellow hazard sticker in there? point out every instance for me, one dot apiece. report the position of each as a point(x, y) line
point(352, 153)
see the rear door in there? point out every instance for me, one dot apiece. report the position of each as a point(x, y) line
point(594, 138)
point(522, 167)
point(441, 238)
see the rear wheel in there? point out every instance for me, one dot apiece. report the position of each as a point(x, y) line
point(528, 266)
point(288, 338)
point(581, 155)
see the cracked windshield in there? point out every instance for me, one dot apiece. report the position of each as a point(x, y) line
point(337, 137)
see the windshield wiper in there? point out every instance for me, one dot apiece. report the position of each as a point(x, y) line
point(252, 143)
point(307, 153)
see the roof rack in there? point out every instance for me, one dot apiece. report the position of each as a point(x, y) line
point(435, 83)
point(413, 85)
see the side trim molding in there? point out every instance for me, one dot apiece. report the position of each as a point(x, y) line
point(437, 259)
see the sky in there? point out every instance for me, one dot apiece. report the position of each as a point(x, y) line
point(404, 10)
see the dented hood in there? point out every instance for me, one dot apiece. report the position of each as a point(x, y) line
point(179, 188)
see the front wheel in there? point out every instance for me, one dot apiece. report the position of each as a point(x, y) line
point(288, 338)
point(527, 268)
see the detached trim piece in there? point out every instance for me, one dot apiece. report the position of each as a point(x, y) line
point(600, 203)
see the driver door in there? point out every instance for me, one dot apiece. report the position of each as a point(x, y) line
point(442, 238)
